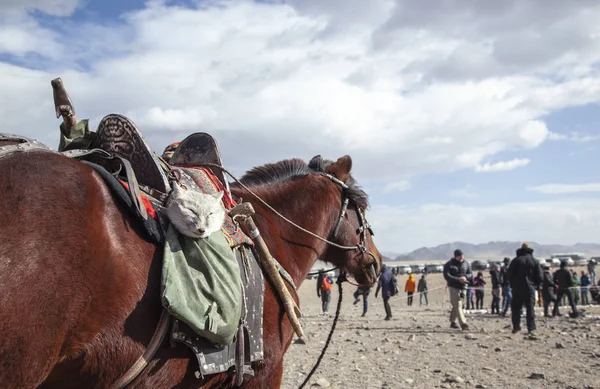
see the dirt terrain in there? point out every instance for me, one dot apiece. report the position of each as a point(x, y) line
point(417, 348)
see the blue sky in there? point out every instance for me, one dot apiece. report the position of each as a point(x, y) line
point(464, 123)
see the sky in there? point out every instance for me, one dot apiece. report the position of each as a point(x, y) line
point(466, 120)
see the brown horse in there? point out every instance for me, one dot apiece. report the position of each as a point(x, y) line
point(80, 286)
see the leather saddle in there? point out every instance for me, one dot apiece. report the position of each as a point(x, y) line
point(197, 149)
point(119, 136)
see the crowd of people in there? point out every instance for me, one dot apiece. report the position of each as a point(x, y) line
point(517, 286)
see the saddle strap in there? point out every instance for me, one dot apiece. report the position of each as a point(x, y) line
point(146, 357)
point(134, 187)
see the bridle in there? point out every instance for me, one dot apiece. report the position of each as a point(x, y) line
point(363, 224)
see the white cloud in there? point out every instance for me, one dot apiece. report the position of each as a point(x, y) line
point(465, 193)
point(565, 188)
point(49, 7)
point(573, 137)
point(562, 222)
point(502, 166)
point(308, 78)
point(397, 186)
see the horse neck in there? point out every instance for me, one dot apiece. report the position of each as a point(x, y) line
point(296, 250)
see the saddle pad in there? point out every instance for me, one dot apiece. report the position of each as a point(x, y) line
point(201, 284)
point(206, 181)
point(150, 226)
point(145, 201)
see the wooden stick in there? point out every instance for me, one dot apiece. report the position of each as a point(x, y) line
point(243, 216)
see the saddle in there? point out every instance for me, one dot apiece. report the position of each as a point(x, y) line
point(122, 152)
point(120, 137)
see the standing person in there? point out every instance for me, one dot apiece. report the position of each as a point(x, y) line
point(457, 272)
point(324, 291)
point(422, 290)
point(506, 288)
point(363, 291)
point(388, 286)
point(469, 303)
point(525, 278)
point(575, 289)
point(409, 288)
point(479, 291)
point(496, 287)
point(548, 287)
point(585, 288)
point(320, 282)
point(592, 270)
point(564, 281)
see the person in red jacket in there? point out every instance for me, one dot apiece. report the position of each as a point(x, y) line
point(409, 288)
point(324, 286)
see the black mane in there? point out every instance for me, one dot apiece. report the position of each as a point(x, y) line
point(273, 173)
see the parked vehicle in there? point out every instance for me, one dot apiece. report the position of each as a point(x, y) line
point(434, 268)
point(480, 265)
point(417, 268)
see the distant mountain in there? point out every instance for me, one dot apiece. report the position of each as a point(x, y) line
point(495, 250)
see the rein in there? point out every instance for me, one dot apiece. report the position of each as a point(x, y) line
point(360, 247)
point(339, 282)
point(314, 273)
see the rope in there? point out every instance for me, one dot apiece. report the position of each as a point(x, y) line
point(339, 281)
point(146, 357)
point(321, 271)
point(348, 248)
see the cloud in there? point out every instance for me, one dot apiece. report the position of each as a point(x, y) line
point(21, 34)
point(502, 166)
point(561, 221)
point(565, 188)
point(573, 137)
point(397, 186)
point(465, 193)
point(397, 84)
point(49, 7)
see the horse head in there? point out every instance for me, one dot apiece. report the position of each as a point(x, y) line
point(350, 226)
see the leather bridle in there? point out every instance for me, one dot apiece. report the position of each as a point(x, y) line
point(363, 224)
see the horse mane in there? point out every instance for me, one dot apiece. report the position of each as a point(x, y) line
point(282, 171)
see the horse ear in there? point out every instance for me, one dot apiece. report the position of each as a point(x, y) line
point(341, 168)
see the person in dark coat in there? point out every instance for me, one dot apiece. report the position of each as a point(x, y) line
point(388, 285)
point(457, 272)
point(585, 288)
point(548, 286)
point(506, 289)
point(564, 282)
point(422, 290)
point(496, 288)
point(363, 291)
point(479, 290)
point(525, 276)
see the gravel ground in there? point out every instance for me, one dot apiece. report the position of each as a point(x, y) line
point(417, 348)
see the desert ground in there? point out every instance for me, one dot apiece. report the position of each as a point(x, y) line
point(417, 348)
